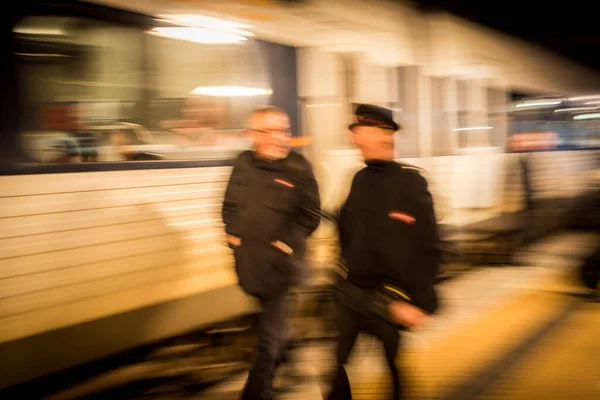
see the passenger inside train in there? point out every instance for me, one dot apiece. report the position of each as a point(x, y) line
point(63, 151)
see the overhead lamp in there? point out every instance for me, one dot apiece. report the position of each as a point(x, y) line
point(230, 91)
point(31, 30)
point(206, 22)
point(47, 55)
point(197, 35)
point(201, 21)
point(542, 103)
point(591, 97)
point(574, 109)
point(474, 128)
point(587, 116)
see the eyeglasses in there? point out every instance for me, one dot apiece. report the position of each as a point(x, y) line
point(286, 131)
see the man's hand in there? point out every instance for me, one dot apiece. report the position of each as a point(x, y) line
point(407, 314)
point(234, 240)
point(283, 247)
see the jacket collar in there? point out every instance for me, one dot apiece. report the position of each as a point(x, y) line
point(268, 165)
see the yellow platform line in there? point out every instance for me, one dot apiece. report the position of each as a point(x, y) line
point(435, 369)
point(563, 365)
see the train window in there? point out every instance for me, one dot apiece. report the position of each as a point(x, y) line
point(202, 94)
point(76, 76)
point(93, 91)
point(562, 130)
point(568, 124)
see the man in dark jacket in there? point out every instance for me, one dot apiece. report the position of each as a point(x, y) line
point(271, 207)
point(389, 248)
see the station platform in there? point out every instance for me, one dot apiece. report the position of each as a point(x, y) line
point(526, 332)
point(504, 332)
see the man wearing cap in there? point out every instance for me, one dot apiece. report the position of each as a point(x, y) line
point(389, 248)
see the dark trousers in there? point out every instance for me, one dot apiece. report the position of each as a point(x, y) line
point(268, 351)
point(350, 323)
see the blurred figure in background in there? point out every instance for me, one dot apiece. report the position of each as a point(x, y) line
point(201, 116)
point(271, 207)
point(63, 151)
point(516, 145)
point(88, 145)
point(389, 247)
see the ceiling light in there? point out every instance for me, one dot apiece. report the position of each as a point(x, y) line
point(587, 116)
point(584, 98)
point(573, 109)
point(206, 22)
point(39, 31)
point(198, 35)
point(230, 91)
point(543, 103)
point(475, 128)
point(201, 21)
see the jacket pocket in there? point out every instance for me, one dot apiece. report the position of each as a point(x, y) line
point(265, 271)
point(282, 263)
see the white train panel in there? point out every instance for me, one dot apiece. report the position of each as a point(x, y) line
point(110, 236)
